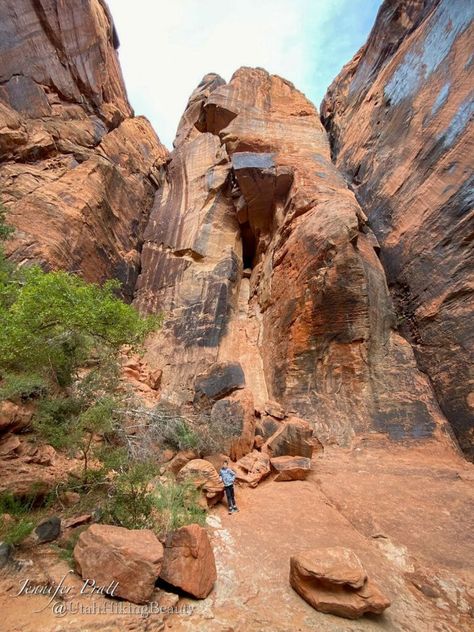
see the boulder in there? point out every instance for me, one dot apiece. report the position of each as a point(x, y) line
point(253, 468)
point(234, 416)
point(188, 561)
point(274, 409)
point(14, 417)
point(70, 498)
point(180, 460)
point(293, 438)
point(205, 477)
point(130, 558)
point(48, 530)
point(267, 426)
point(43, 455)
point(333, 581)
point(77, 521)
point(222, 378)
point(291, 468)
point(9, 446)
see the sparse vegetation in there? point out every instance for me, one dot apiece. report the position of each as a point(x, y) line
point(59, 343)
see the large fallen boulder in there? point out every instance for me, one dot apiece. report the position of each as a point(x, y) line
point(205, 477)
point(234, 417)
point(188, 561)
point(220, 380)
point(127, 561)
point(291, 468)
point(253, 468)
point(333, 581)
point(293, 438)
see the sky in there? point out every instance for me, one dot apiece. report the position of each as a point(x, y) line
point(167, 46)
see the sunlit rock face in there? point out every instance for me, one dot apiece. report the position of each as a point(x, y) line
point(398, 119)
point(78, 172)
point(263, 263)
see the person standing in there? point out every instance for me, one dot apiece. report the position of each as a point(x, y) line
point(227, 476)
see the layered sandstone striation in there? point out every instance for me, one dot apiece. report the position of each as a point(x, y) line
point(260, 256)
point(78, 172)
point(398, 120)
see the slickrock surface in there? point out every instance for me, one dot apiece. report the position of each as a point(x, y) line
point(78, 173)
point(260, 257)
point(398, 118)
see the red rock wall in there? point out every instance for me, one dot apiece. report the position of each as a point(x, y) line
point(398, 119)
point(78, 173)
point(260, 255)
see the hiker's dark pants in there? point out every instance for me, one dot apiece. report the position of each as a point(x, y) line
point(229, 492)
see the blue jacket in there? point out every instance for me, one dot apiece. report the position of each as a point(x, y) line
point(227, 475)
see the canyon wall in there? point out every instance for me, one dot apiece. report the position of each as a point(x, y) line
point(78, 172)
point(398, 119)
point(268, 275)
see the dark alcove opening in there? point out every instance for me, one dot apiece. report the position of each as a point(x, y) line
point(249, 246)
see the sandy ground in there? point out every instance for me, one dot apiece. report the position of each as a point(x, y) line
point(407, 513)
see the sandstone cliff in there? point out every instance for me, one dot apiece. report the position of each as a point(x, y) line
point(78, 172)
point(398, 120)
point(267, 270)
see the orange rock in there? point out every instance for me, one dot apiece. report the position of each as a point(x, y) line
point(78, 172)
point(131, 559)
point(398, 118)
point(9, 446)
point(291, 468)
point(14, 417)
point(293, 438)
point(205, 477)
point(334, 581)
point(188, 561)
point(253, 468)
point(180, 460)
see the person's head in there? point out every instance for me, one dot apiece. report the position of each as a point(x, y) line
point(226, 463)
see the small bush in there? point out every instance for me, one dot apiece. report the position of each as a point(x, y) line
point(19, 510)
point(16, 532)
point(131, 501)
point(22, 387)
point(177, 505)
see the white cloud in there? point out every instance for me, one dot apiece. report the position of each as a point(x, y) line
point(168, 45)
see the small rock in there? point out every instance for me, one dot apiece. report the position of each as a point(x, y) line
point(275, 410)
point(9, 446)
point(77, 521)
point(258, 442)
point(48, 530)
point(6, 551)
point(44, 455)
point(70, 498)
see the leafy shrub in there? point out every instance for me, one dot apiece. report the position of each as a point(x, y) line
point(138, 501)
point(131, 501)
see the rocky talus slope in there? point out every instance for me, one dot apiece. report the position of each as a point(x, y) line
point(78, 172)
point(398, 117)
